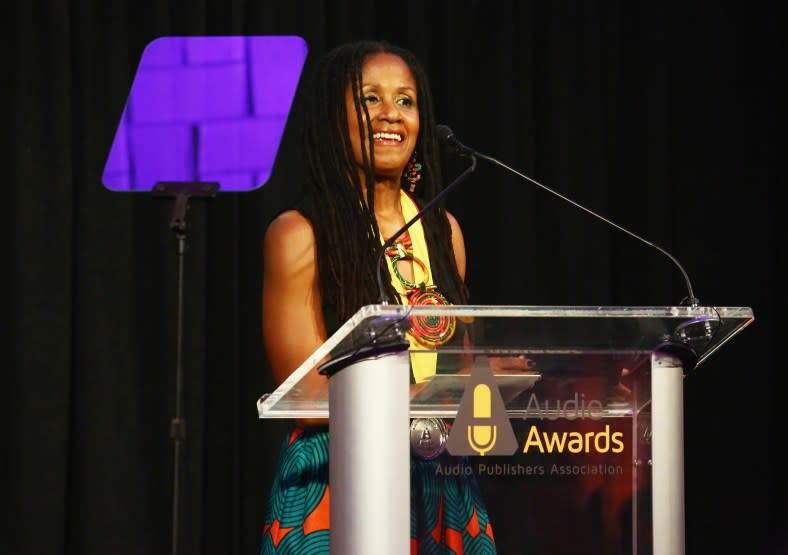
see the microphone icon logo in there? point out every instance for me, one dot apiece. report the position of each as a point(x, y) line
point(481, 436)
point(482, 426)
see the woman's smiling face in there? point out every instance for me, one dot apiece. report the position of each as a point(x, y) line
point(390, 93)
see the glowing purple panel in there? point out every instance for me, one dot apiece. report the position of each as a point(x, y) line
point(240, 144)
point(206, 50)
point(167, 152)
point(206, 109)
point(272, 70)
point(190, 95)
point(118, 162)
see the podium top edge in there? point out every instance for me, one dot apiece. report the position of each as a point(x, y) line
point(558, 311)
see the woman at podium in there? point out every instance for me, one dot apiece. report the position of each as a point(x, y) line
point(372, 156)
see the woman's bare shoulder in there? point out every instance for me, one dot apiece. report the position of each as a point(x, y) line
point(290, 223)
point(289, 241)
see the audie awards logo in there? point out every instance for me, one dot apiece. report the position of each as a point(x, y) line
point(482, 426)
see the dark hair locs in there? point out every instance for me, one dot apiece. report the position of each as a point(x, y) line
point(346, 233)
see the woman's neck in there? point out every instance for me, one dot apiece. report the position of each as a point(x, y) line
point(388, 210)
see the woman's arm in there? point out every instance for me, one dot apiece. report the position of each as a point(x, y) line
point(293, 326)
point(458, 244)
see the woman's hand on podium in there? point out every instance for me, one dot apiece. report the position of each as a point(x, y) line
point(511, 364)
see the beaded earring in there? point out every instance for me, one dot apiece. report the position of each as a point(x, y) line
point(412, 173)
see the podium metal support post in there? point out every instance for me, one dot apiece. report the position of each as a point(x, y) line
point(369, 453)
point(667, 454)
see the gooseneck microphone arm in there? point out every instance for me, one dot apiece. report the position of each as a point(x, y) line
point(390, 241)
point(466, 151)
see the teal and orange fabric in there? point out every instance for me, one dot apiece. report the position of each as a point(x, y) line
point(448, 516)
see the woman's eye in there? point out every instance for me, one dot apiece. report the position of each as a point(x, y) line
point(405, 101)
point(369, 99)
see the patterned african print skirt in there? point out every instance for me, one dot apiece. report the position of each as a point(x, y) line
point(447, 514)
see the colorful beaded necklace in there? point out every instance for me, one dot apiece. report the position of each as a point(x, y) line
point(432, 331)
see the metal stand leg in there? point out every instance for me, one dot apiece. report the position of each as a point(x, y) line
point(369, 452)
point(667, 425)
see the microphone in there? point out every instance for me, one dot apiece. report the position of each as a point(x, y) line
point(448, 136)
point(481, 437)
point(390, 241)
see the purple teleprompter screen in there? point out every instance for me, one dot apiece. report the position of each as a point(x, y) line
point(206, 109)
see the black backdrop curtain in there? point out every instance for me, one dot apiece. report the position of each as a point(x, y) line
point(669, 119)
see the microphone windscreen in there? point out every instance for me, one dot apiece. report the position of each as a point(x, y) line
point(444, 133)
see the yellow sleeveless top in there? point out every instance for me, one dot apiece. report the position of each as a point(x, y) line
point(422, 365)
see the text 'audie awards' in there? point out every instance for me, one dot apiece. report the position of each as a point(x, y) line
point(602, 441)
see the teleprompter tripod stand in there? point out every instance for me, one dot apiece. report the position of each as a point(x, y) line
point(181, 192)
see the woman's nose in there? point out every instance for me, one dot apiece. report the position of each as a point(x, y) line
point(389, 110)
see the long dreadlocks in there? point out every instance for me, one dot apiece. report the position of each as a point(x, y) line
point(346, 233)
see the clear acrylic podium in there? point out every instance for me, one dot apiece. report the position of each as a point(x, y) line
point(594, 394)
